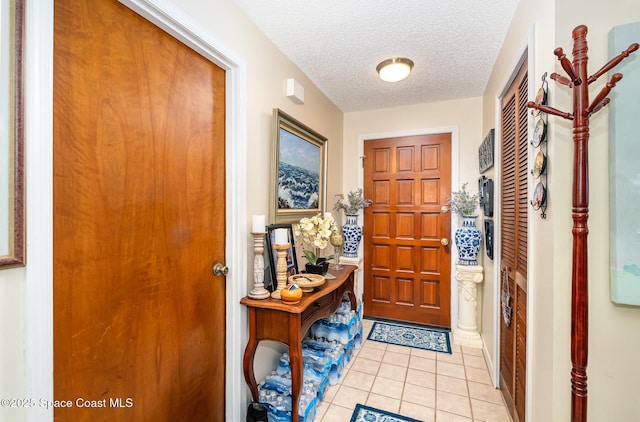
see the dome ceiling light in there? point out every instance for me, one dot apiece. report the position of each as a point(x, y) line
point(394, 70)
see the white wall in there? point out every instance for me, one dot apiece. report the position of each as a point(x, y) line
point(12, 325)
point(5, 129)
point(464, 114)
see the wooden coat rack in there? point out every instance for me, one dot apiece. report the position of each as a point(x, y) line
point(582, 111)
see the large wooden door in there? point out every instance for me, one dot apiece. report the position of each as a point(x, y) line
point(139, 188)
point(407, 267)
point(513, 240)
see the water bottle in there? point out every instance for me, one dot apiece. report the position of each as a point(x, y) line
point(333, 375)
point(283, 364)
point(307, 408)
point(358, 338)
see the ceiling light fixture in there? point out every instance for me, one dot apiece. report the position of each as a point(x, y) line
point(394, 70)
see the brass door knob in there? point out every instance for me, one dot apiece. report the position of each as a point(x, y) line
point(444, 241)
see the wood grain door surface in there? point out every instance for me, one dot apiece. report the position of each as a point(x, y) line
point(139, 188)
point(407, 268)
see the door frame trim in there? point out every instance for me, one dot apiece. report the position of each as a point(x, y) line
point(455, 180)
point(39, 109)
point(38, 85)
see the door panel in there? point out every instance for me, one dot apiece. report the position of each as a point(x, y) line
point(513, 254)
point(139, 188)
point(407, 269)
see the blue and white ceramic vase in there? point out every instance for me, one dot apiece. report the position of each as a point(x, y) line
point(352, 234)
point(468, 241)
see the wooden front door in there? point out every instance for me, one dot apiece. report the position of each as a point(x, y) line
point(407, 268)
point(139, 219)
point(513, 240)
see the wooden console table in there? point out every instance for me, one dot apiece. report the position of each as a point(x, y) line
point(271, 319)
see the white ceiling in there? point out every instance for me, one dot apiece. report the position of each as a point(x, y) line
point(338, 45)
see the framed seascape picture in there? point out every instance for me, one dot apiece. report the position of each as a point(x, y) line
point(292, 259)
point(298, 181)
point(12, 204)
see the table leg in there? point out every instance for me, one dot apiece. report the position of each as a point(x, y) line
point(249, 354)
point(349, 286)
point(352, 298)
point(297, 368)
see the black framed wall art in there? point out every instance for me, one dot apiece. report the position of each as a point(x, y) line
point(485, 152)
point(488, 237)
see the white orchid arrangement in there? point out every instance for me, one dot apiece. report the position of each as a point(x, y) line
point(316, 231)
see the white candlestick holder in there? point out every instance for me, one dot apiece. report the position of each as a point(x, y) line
point(281, 268)
point(258, 292)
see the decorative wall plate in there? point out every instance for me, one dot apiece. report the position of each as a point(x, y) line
point(539, 164)
point(539, 196)
point(541, 96)
point(539, 132)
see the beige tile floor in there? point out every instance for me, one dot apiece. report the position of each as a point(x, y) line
point(428, 386)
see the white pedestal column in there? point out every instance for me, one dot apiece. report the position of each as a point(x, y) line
point(359, 278)
point(466, 334)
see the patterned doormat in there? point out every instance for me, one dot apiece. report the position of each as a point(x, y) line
point(364, 413)
point(410, 336)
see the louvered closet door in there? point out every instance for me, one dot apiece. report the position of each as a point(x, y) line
point(513, 264)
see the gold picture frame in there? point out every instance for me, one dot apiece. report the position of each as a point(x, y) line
point(12, 180)
point(299, 170)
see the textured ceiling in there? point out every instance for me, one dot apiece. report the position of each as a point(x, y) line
point(338, 45)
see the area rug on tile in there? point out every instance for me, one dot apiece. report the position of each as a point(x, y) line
point(405, 335)
point(364, 413)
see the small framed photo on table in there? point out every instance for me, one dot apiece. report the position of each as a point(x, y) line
point(292, 260)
